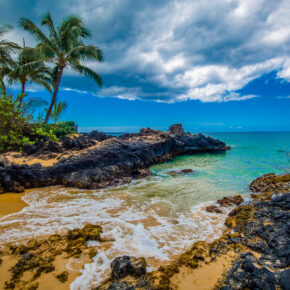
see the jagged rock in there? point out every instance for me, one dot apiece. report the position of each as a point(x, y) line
point(213, 208)
point(114, 161)
point(230, 200)
point(125, 265)
point(176, 130)
point(265, 227)
point(271, 183)
point(245, 275)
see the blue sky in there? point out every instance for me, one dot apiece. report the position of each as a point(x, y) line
point(213, 65)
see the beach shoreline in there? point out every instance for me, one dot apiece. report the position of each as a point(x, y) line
point(239, 241)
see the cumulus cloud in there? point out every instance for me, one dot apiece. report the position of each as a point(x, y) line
point(178, 50)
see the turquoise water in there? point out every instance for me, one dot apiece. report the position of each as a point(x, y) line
point(252, 155)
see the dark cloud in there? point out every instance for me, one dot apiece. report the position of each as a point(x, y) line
point(174, 50)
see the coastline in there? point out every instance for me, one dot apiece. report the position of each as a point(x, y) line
point(206, 265)
point(97, 160)
point(252, 253)
point(34, 267)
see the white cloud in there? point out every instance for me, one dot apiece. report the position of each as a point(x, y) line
point(206, 50)
point(284, 73)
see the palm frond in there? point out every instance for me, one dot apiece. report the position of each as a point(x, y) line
point(42, 83)
point(29, 26)
point(46, 51)
point(84, 70)
point(70, 30)
point(47, 20)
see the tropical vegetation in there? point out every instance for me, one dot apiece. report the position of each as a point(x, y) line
point(25, 119)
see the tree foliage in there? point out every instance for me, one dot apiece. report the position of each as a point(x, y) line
point(64, 47)
point(58, 110)
point(13, 124)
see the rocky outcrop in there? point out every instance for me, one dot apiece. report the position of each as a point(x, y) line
point(111, 161)
point(226, 201)
point(72, 142)
point(268, 233)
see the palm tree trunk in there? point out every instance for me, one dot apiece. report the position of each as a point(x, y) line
point(22, 94)
point(53, 99)
point(3, 86)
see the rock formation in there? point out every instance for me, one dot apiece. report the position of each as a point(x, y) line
point(97, 160)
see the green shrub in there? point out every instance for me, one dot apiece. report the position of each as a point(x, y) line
point(16, 128)
point(65, 128)
point(43, 132)
point(13, 124)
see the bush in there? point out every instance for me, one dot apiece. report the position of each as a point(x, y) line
point(50, 132)
point(13, 124)
point(16, 128)
point(42, 132)
point(65, 128)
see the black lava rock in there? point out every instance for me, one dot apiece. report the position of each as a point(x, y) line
point(125, 265)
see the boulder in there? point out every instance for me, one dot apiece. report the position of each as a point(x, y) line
point(125, 265)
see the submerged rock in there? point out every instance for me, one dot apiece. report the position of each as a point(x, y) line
point(225, 202)
point(180, 172)
point(213, 208)
point(230, 200)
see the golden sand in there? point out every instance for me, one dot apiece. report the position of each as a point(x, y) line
point(11, 203)
point(47, 281)
point(204, 277)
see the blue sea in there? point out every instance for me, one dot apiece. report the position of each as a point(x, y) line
point(252, 154)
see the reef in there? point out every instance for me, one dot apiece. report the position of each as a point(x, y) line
point(95, 160)
point(254, 246)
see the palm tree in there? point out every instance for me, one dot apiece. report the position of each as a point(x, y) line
point(38, 74)
point(58, 110)
point(6, 49)
point(64, 47)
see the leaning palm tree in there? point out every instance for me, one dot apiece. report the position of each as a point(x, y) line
point(6, 49)
point(23, 74)
point(64, 47)
point(58, 110)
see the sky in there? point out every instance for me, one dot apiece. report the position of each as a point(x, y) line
point(213, 65)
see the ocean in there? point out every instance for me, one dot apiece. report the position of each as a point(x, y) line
point(158, 217)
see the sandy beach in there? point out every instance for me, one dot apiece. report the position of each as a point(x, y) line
point(11, 203)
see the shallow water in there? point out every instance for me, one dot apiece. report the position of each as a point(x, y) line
point(158, 217)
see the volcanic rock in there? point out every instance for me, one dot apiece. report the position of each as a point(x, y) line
point(125, 265)
point(112, 161)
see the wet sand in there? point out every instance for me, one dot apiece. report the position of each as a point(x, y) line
point(11, 203)
point(204, 277)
